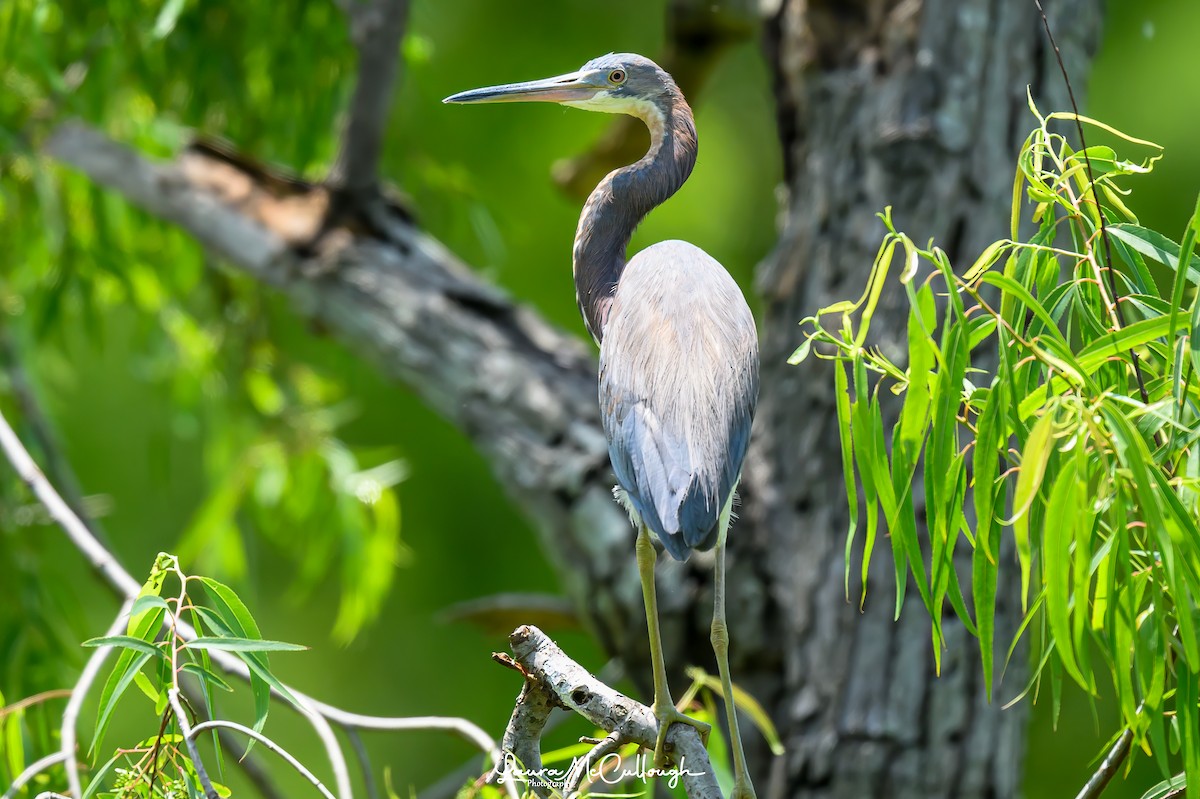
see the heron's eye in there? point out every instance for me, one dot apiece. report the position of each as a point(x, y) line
point(617, 76)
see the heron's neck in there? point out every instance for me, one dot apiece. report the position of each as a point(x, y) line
point(621, 201)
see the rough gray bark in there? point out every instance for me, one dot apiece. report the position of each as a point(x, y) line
point(910, 103)
point(921, 106)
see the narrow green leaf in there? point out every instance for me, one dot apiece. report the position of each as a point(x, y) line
point(207, 675)
point(235, 620)
point(129, 664)
point(1187, 710)
point(1116, 344)
point(1155, 246)
point(98, 777)
point(1062, 516)
point(145, 602)
point(747, 704)
point(864, 455)
point(842, 397)
point(1166, 787)
point(985, 260)
point(125, 642)
point(1033, 468)
point(990, 439)
point(243, 645)
point(143, 683)
point(801, 353)
point(1185, 255)
point(14, 742)
point(143, 626)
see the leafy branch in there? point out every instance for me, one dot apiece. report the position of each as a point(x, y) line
point(1081, 450)
point(233, 644)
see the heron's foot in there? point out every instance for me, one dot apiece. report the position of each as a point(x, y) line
point(667, 714)
point(742, 789)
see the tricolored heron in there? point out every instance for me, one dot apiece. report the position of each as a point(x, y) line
point(678, 350)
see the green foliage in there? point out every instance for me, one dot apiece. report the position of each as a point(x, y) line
point(156, 663)
point(274, 462)
point(1078, 445)
point(154, 654)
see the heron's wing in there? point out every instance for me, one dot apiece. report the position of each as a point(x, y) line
point(652, 465)
point(678, 386)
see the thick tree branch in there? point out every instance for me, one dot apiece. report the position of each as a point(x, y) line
point(553, 678)
point(522, 391)
point(377, 29)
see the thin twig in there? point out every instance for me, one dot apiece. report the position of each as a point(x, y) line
point(162, 730)
point(265, 741)
point(79, 693)
point(1116, 310)
point(364, 763)
point(1108, 767)
point(581, 770)
point(36, 699)
point(248, 762)
point(189, 732)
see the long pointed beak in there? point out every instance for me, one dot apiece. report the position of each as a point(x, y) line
point(572, 87)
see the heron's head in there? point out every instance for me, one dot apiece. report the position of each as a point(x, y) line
point(617, 83)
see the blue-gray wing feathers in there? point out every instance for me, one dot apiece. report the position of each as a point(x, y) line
point(678, 388)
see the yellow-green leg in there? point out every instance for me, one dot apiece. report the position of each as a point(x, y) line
point(742, 787)
point(664, 707)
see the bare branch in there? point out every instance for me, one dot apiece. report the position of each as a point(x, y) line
point(578, 776)
point(574, 688)
point(80, 691)
point(522, 391)
point(168, 190)
point(522, 737)
point(449, 785)
point(188, 737)
point(264, 740)
point(36, 699)
point(1108, 767)
point(377, 30)
point(32, 770)
point(248, 762)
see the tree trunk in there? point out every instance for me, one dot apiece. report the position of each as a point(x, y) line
point(918, 105)
point(921, 106)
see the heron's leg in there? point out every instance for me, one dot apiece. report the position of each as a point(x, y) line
point(742, 787)
point(664, 707)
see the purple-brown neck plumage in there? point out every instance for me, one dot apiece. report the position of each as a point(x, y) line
point(622, 200)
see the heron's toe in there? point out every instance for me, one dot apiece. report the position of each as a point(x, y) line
point(667, 716)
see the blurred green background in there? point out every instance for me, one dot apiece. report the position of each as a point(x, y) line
point(163, 378)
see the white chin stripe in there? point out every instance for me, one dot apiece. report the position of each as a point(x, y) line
point(608, 103)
